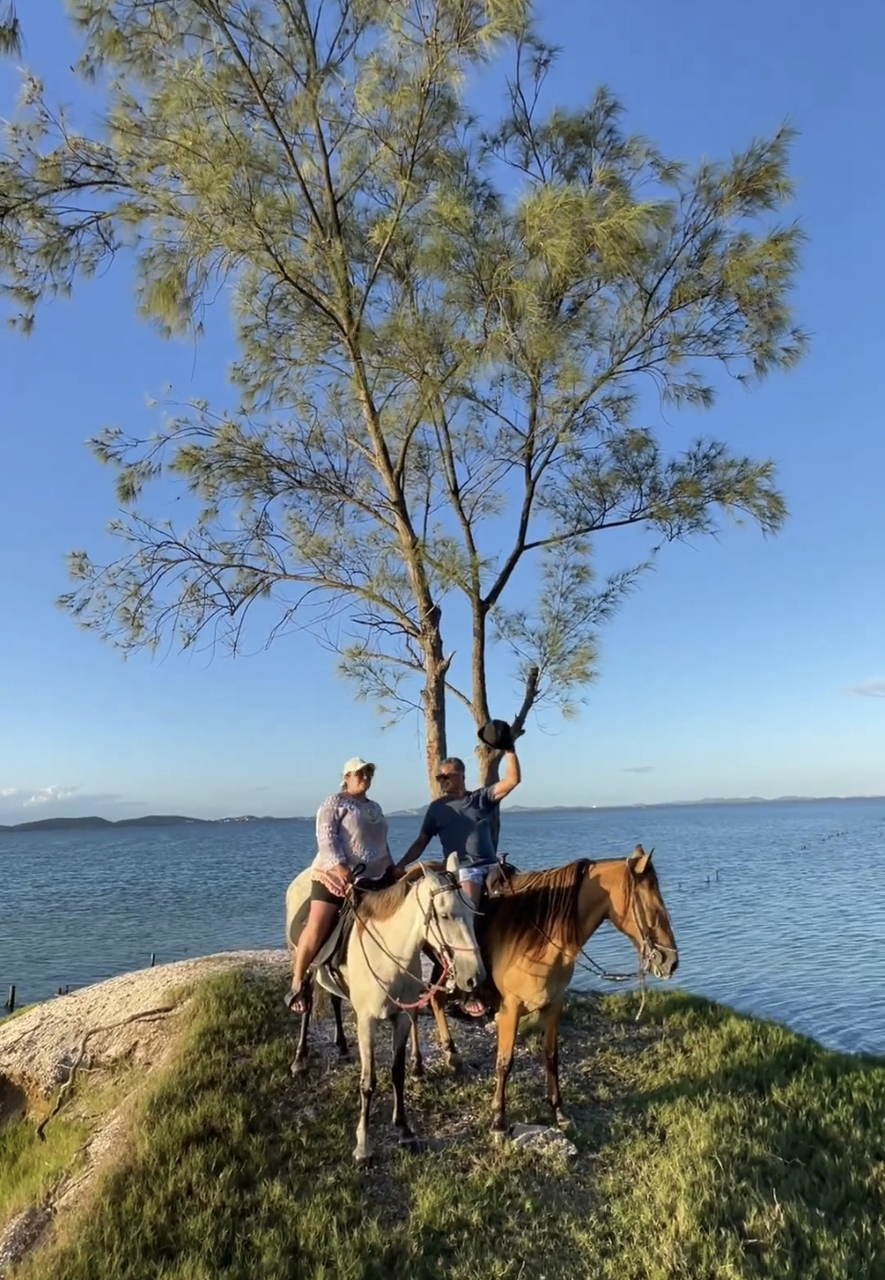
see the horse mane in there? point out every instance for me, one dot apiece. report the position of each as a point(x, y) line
point(381, 904)
point(538, 907)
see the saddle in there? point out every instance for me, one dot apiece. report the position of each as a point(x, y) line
point(497, 880)
point(333, 952)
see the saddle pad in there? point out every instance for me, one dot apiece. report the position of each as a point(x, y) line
point(333, 952)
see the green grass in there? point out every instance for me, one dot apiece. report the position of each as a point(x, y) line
point(29, 1167)
point(710, 1147)
point(18, 1011)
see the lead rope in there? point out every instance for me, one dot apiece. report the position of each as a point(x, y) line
point(583, 961)
point(431, 990)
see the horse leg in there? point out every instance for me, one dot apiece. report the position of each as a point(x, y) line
point(299, 1065)
point(415, 1041)
point(366, 1035)
point(401, 1024)
point(449, 1048)
point(552, 1015)
point(340, 1037)
point(447, 1044)
point(508, 1025)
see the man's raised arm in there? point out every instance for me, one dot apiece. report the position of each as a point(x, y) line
point(511, 779)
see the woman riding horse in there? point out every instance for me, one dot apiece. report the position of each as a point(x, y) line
point(351, 835)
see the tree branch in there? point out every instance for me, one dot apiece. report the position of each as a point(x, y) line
point(532, 682)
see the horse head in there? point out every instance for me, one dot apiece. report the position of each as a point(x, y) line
point(449, 925)
point(641, 914)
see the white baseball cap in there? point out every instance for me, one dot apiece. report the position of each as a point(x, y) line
point(354, 764)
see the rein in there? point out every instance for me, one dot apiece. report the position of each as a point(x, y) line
point(445, 952)
point(646, 953)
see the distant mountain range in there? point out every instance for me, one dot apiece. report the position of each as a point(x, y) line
point(149, 820)
point(177, 820)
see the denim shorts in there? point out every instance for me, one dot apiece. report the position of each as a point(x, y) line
point(474, 875)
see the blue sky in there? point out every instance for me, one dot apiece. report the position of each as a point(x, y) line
point(742, 666)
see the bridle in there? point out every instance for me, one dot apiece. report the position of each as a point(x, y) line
point(444, 950)
point(648, 951)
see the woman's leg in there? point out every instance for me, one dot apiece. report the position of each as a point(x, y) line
point(319, 925)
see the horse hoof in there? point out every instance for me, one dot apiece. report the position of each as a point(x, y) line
point(411, 1142)
point(418, 1070)
point(299, 1067)
point(564, 1121)
point(455, 1064)
point(361, 1157)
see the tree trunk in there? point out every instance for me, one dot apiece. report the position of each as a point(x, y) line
point(490, 761)
point(489, 765)
point(487, 760)
point(433, 696)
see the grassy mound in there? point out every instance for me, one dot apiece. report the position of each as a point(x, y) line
point(709, 1146)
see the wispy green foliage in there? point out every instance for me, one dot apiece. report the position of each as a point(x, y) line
point(446, 327)
point(10, 31)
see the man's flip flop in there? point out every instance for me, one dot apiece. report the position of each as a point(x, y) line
point(473, 1008)
point(298, 1000)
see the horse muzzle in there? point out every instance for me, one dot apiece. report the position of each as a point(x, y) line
point(468, 973)
point(663, 961)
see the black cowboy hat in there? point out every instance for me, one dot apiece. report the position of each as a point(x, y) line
point(497, 734)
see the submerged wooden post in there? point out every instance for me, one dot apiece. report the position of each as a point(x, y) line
point(153, 958)
point(10, 1002)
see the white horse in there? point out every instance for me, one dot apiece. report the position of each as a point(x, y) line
point(381, 973)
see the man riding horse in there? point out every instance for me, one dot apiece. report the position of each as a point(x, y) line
point(466, 822)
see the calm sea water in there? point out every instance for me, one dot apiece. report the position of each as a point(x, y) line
point(779, 910)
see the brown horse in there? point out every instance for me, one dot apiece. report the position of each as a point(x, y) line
point(530, 937)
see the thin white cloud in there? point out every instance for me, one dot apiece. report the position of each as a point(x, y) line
point(6, 793)
point(50, 795)
point(638, 768)
point(874, 688)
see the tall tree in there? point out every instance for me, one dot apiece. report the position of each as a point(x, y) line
point(445, 326)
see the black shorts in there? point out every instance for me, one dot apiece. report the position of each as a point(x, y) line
point(319, 892)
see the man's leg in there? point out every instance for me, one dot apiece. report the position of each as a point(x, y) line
point(319, 925)
point(471, 880)
point(472, 891)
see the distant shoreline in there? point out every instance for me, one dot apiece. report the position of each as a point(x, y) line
point(94, 823)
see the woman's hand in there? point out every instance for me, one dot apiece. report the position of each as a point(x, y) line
point(341, 875)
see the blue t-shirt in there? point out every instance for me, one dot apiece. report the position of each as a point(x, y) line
point(462, 824)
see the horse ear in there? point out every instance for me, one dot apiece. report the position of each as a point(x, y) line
point(452, 864)
point(639, 860)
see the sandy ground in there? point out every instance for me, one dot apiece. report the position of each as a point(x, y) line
point(128, 1019)
point(38, 1046)
point(133, 1020)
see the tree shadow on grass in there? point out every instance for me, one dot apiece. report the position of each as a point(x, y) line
point(779, 1144)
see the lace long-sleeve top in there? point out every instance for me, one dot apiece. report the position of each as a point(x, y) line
point(349, 832)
